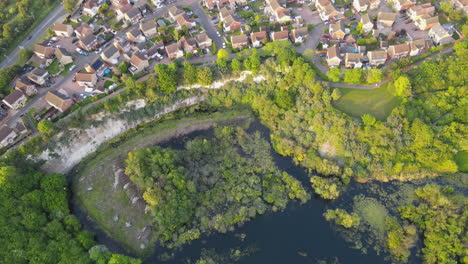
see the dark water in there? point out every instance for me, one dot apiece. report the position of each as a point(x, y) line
point(299, 234)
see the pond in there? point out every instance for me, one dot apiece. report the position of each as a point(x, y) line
point(299, 234)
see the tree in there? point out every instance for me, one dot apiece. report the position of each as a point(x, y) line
point(205, 76)
point(214, 49)
point(374, 76)
point(45, 126)
point(309, 54)
point(343, 218)
point(123, 67)
point(222, 54)
point(25, 55)
point(402, 86)
point(236, 65)
point(190, 73)
point(334, 74)
point(167, 78)
point(284, 99)
point(354, 76)
point(336, 94)
point(70, 5)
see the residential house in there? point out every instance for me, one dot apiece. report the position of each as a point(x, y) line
point(7, 136)
point(203, 40)
point(363, 5)
point(63, 30)
point(38, 76)
point(63, 56)
point(90, 8)
point(240, 41)
point(377, 57)
point(58, 101)
point(43, 51)
point(86, 79)
point(123, 45)
point(25, 85)
point(111, 55)
point(385, 20)
point(230, 24)
point(353, 60)
point(133, 15)
point(135, 35)
point(417, 11)
point(19, 127)
point(367, 24)
point(333, 56)
point(337, 30)
point(119, 3)
point(426, 21)
point(439, 35)
point(280, 13)
point(138, 63)
point(184, 45)
point(329, 13)
point(299, 35)
point(210, 4)
point(83, 30)
point(149, 28)
point(417, 47)
point(89, 43)
point(225, 13)
point(122, 11)
point(97, 67)
point(279, 35)
point(326, 10)
point(174, 12)
point(398, 51)
point(185, 21)
point(188, 45)
point(399, 5)
point(258, 38)
point(15, 99)
point(173, 51)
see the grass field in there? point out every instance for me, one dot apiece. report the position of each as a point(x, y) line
point(377, 102)
point(98, 193)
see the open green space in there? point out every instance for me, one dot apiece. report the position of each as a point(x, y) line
point(105, 201)
point(377, 102)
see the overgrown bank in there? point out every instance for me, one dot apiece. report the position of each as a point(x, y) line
point(98, 183)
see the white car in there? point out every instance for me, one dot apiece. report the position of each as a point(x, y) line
point(113, 31)
point(217, 33)
point(79, 50)
point(72, 67)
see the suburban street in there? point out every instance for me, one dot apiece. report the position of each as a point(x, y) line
point(57, 15)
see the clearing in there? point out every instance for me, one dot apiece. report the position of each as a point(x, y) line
point(377, 102)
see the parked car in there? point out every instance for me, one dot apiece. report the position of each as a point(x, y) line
point(78, 50)
point(352, 19)
point(408, 21)
point(72, 67)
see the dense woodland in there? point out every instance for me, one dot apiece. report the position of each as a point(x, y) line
point(419, 139)
point(211, 184)
point(36, 225)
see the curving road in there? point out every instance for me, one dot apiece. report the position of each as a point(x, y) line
point(56, 15)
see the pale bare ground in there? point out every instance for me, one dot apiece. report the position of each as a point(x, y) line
point(67, 155)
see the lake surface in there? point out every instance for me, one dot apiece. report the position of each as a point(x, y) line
point(299, 234)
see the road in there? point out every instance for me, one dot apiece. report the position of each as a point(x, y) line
point(57, 15)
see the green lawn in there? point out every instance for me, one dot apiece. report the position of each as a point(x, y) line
point(66, 69)
point(377, 102)
point(54, 68)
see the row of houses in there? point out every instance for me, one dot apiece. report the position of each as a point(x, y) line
point(258, 39)
point(340, 53)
